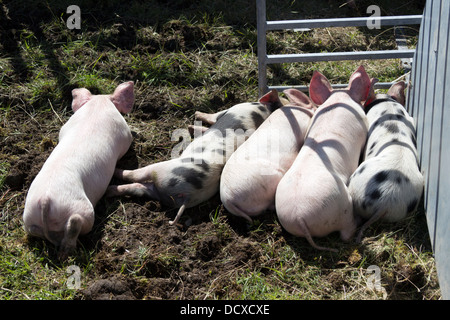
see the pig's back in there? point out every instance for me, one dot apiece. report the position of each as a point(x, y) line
point(91, 142)
point(274, 145)
point(338, 133)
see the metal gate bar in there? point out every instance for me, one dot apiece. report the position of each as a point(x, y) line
point(264, 59)
point(342, 22)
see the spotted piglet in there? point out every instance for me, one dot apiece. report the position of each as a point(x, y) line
point(194, 176)
point(388, 184)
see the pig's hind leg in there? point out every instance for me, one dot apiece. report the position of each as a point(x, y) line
point(134, 189)
point(78, 223)
point(209, 118)
point(147, 173)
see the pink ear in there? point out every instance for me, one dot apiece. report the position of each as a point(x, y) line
point(123, 97)
point(359, 85)
point(397, 91)
point(319, 88)
point(80, 96)
point(298, 98)
point(270, 97)
point(371, 96)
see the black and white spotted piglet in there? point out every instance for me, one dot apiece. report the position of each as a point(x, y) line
point(194, 176)
point(388, 184)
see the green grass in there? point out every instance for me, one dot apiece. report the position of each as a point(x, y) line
point(4, 166)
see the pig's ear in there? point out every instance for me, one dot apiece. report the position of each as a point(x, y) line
point(397, 91)
point(284, 101)
point(372, 96)
point(271, 98)
point(123, 97)
point(298, 98)
point(319, 88)
point(79, 97)
point(359, 85)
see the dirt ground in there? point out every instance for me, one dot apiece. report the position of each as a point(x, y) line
point(132, 251)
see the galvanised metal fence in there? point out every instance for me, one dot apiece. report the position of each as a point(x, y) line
point(428, 103)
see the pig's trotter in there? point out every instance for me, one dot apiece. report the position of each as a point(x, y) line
point(111, 191)
point(196, 130)
point(180, 212)
point(118, 173)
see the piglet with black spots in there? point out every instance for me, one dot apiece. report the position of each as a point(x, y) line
point(61, 199)
point(388, 184)
point(194, 176)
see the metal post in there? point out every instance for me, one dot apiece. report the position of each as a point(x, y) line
point(261, 41)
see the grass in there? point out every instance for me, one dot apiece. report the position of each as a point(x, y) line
point(287, 276)
point(182, 58)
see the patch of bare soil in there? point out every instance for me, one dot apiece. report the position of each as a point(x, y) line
point(192, 259)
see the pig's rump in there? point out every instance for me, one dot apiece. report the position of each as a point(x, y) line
point(392, 188)
point(314, 196)
point(184, 179)
point(256, 191)
point(46, 215)
point(70, 182)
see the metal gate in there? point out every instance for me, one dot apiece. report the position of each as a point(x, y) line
point(264, 59)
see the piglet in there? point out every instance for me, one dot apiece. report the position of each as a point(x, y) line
point(193, 177)
point(61, 199)
point(251, 175)
point(388, 184)
point(312, 198)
